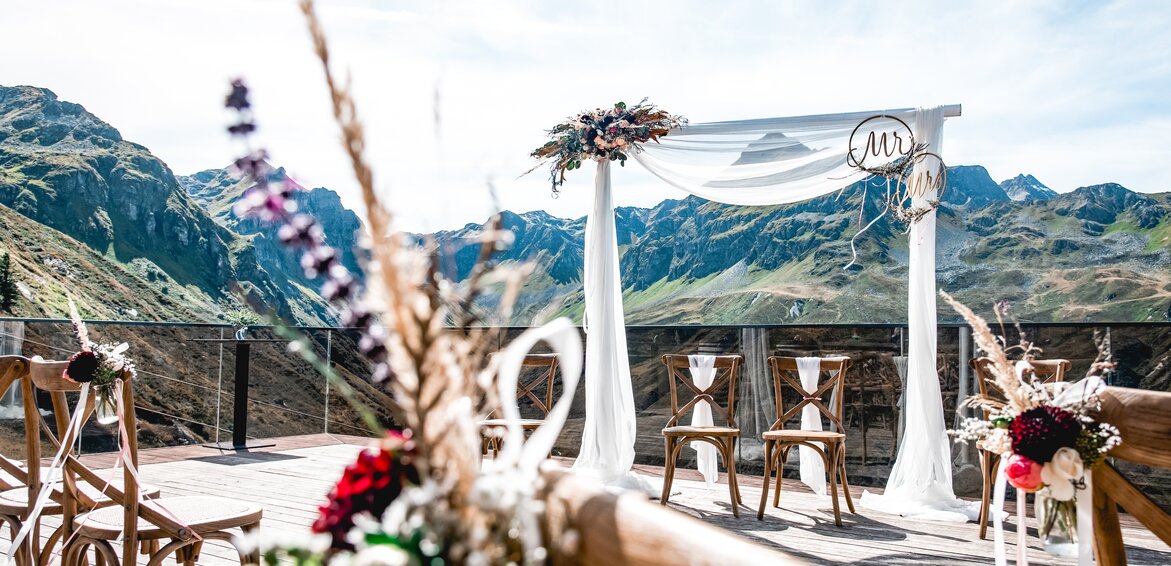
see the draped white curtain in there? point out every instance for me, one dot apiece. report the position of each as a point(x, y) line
point(607, 441)
point(763, 162)
point(920, 481)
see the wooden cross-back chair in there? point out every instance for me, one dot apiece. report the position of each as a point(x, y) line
point(1048, 371)
point(492, 428)
point(1143, 419)
point(141, 523)
point(723, 433)
point(830, 445)
point(17, 501)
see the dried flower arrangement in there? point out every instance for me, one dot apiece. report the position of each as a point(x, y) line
point(1042, 431)
point(420, 496)
point(604, 133)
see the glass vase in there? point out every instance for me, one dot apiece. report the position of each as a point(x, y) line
point(1056, 525)
point(105, 407)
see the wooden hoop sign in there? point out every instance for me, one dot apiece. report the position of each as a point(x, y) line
point(885, 146)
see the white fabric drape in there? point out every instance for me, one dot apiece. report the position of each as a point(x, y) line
point(607, 441)
point(920, 481)
point(703, 373)
point(812, 467)
point(763, 162)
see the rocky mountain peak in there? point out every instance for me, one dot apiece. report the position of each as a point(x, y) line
point(1026, 187)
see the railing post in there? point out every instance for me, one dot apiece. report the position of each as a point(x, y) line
point(329, 363)
point(964, 380)
point(219, 386)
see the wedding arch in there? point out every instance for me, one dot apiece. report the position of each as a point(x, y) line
point(765, 162)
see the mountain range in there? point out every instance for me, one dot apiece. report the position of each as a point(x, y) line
point(100, 217)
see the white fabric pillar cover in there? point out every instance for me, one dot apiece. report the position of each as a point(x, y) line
point(607, 440)
point(703, 373)
point(812, 466)
point(920, 481)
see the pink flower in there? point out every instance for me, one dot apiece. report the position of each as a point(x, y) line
point(620, 142)
point(1023, 473)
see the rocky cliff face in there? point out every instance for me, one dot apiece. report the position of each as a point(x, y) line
point(65, 168)
point(1097, 253)
point(216, 190)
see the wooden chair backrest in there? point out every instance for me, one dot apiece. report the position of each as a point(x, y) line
point(1049, 371)
point(547, 363)
point(14, 369)
point(47, 376)
point(785, 374)
point(1144, 420)
point(679, 369)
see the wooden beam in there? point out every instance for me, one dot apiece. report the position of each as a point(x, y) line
point(626, 528)
point(1144, 420)
point(953, 110)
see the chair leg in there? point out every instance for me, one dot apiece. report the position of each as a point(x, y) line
point(782, 457)
point(833, 481)
point(734, 477)
point(730, 464)
point(988, 468)
point(768, 460)
point(668, 470)
point(253, 556)
point(845, 481)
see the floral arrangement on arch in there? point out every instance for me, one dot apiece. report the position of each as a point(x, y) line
point(606, 133)
point(1042, 431)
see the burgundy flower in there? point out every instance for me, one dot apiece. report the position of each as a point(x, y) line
point(82, 367)
point(1039, 433)
point(368, 485)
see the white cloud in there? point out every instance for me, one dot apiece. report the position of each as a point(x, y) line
point(1074, 94)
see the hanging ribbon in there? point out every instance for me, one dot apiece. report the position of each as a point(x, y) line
point(811, 464)
point(519, 462)
point(998, 517)
point(1022, 548)
point(52, 474)
point(703, 372)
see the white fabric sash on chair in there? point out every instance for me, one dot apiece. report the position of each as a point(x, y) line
point(812, 466)
point(703, 372)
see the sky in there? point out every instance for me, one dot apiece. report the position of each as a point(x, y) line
point(454, 95)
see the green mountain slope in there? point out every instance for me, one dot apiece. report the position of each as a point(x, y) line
point(64, 168)
point(1096, 254)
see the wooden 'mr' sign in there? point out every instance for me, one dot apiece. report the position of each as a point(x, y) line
point(885, 146)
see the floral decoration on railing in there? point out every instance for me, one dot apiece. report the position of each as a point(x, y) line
point(99, 364)
point(1044, 432)
point(606, 133)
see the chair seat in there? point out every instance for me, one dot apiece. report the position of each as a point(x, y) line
point(201, 514)
point(800, 435)
point(700, 431)
point(526, 424)
point(15, 501)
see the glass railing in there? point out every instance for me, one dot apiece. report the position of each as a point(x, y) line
point(186, 389)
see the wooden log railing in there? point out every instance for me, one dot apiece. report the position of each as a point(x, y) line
point(1144, 419)
point(586, 525)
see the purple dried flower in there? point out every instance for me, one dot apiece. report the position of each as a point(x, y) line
point(238, 98)
point(302, 230)
point(318, 260)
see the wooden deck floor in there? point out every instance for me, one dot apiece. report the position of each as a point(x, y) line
point(290, 479)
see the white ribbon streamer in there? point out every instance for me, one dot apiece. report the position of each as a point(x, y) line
point(1085, 523)
point(812, 466)
point(997, 512)
point(52, 474)
point(517, 466)
point(703, 372)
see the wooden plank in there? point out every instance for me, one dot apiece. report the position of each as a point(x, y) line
point(1144, 419)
